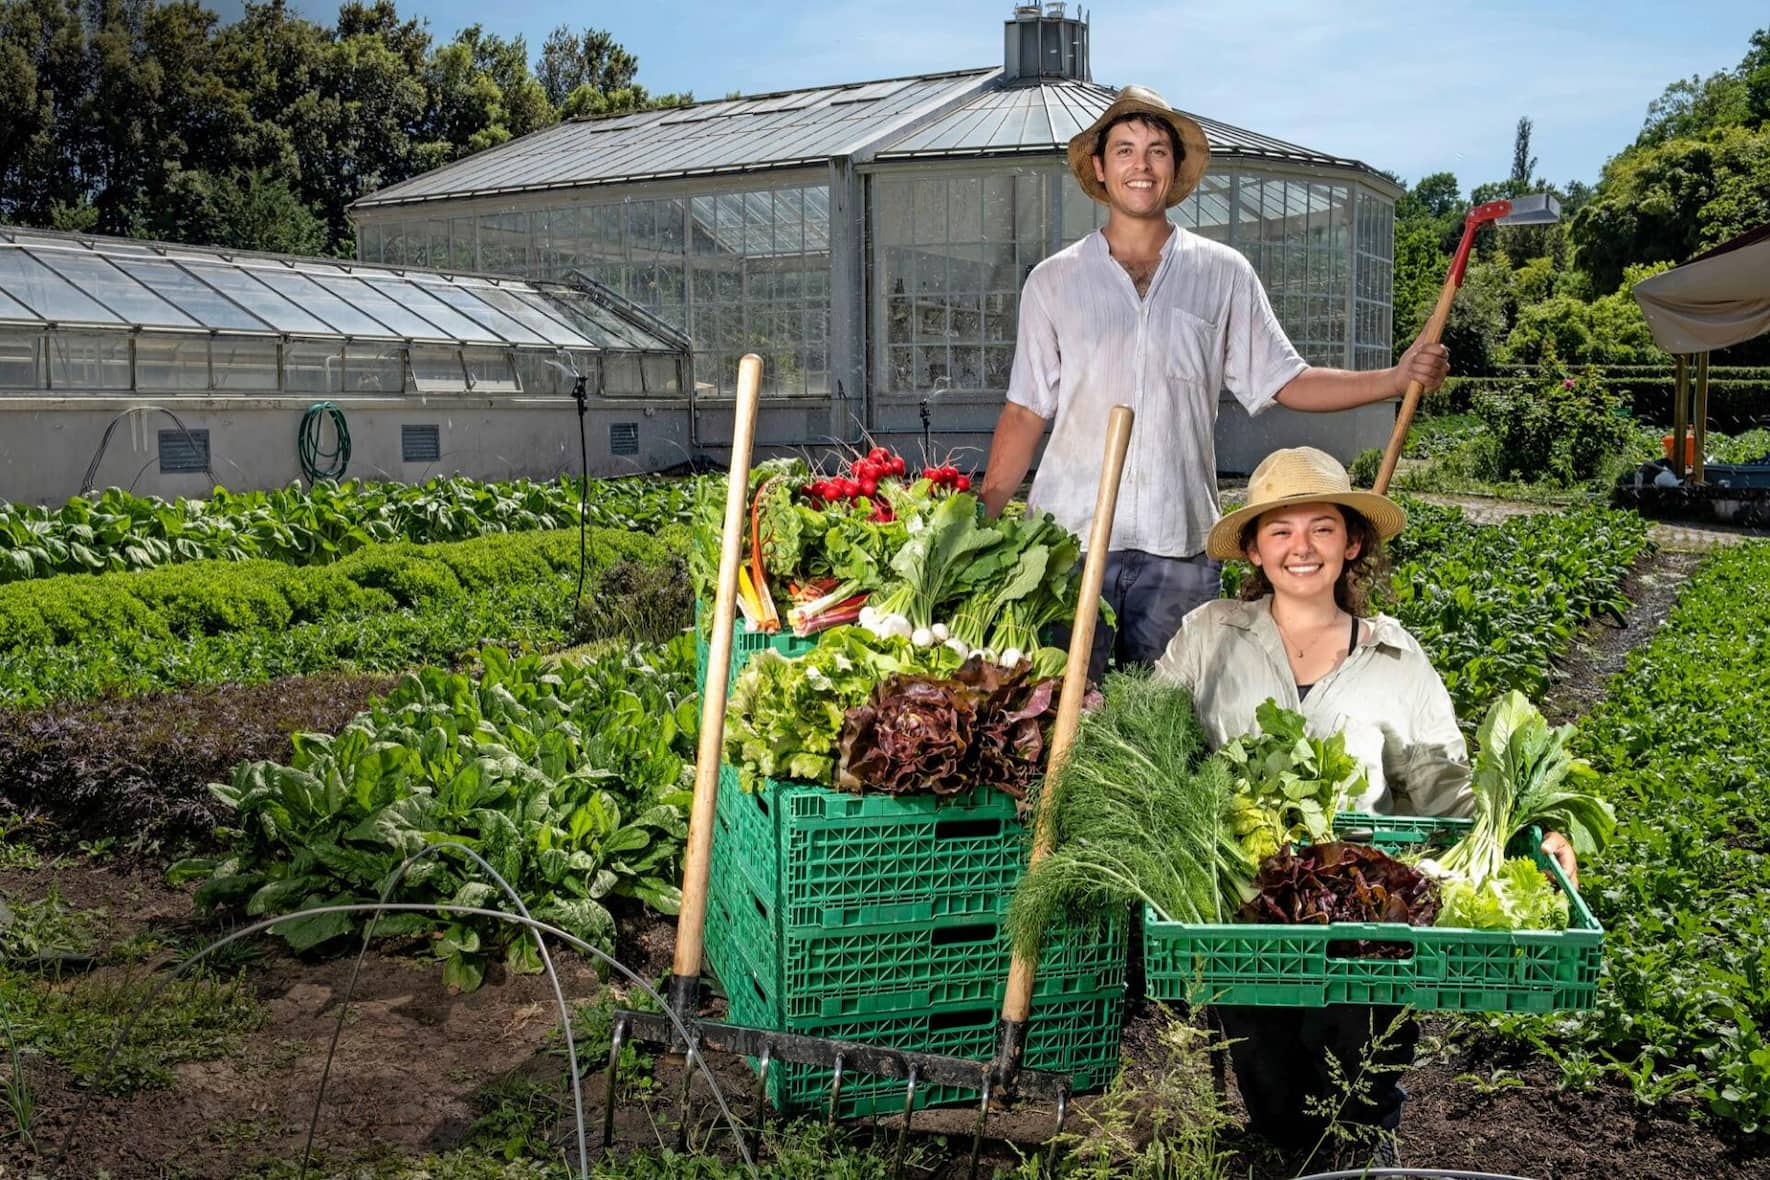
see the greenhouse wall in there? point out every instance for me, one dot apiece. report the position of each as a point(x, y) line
point(753, 264)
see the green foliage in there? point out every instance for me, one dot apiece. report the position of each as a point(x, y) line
point(158, 120)
point(1365, 467)
point(119, 531)
point(1681, 742)
point(1495, 606)
point(637, 602)
point(77, 637)
point(567, 777)
point(1563, 430)
point(199, 1017)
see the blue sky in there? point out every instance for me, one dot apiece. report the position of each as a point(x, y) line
point(1410, 87)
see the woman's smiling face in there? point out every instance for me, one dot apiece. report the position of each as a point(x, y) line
point(1301, 548)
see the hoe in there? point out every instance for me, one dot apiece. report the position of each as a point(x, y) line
point(1537, 209)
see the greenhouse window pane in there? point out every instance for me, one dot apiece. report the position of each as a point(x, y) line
point(376, 302)
point(244, 363)
point(489, 370)
point(113, 288)
point(663, 376)
point(439, 315)
point(46, 292)
point(175, 363)
point(80, 362)
point(539, 374)
point(544, 319)
point(21, 360)
point(342, 316)
point(372, 369)
point(313, 366)
point(436, 370)
point(258, 299)
point(203, 303)
point(467, 301)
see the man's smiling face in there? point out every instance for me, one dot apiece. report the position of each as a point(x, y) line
point(1137, 168)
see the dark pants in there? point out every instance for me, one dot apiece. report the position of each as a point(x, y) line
point(1150, 595)
point(1292, 1091)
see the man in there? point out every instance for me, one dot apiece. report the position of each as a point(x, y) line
point(1146, 314)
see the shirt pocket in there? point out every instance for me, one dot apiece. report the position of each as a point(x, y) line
point(1191, 341)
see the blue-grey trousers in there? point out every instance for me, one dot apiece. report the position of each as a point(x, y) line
point(1150, 595)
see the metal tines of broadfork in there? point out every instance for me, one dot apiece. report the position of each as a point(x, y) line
point(842, 1059)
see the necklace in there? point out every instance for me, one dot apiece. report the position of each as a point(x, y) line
point(1301, 649)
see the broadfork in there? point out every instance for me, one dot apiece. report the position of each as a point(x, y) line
point(1536, 209)
point(841, 1058)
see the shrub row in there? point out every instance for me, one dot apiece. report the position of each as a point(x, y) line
point(213, 597)
point(386, 608)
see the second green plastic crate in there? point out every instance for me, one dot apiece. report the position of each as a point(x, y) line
point(1444, 968)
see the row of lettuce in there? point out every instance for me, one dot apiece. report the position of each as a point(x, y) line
point(116, 530)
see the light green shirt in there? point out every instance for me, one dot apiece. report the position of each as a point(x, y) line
point(1385, 697)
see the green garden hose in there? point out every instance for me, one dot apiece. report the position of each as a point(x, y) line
point(307, 443)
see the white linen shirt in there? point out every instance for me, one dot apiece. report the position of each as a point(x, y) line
point(1384, 696)
point(1087, 342)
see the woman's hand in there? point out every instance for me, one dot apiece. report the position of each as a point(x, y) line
point(1555, 845)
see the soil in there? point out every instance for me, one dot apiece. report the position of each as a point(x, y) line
point(1602, 649)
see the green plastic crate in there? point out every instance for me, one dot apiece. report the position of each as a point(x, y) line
point(1076, 1035)
point(940, 963)
point(836, 860)
point(1447, 969)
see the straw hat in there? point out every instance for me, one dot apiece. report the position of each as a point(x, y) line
point(1301, 475)
point(1141, 98)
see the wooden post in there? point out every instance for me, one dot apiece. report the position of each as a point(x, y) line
point(1680, 414)
point(1699, 416)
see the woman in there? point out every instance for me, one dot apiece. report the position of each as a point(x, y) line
point(1302, 634)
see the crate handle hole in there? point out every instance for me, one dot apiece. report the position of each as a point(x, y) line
point(969, 933)
point(1344, 952)
point(972, 1018)
point(967, 829)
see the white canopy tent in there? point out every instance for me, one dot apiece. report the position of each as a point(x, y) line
point(1715, 300)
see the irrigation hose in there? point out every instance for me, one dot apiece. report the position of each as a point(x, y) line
point(335, 460)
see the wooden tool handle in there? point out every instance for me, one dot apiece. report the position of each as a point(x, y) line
point(1410, 402)
point(692, 918)
point(1017, 1001)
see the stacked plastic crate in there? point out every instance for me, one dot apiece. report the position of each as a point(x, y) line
point(880, 919)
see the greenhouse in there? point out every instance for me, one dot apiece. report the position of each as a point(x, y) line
point(216, 357)
point(869, 240)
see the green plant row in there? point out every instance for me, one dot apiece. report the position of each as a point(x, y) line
point(568, 777)
point(1682, 739)
point(116, 530)
point(386, 608)
point(1496, 606)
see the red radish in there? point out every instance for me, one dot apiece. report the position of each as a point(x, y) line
point(963, 483)
point(869, 486)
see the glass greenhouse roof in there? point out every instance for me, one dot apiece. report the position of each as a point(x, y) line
point(52, 280)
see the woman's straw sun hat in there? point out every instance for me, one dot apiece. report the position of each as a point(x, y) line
point(1301, 475)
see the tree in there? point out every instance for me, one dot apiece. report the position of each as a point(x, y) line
point(1523, 163)
point(591, 58)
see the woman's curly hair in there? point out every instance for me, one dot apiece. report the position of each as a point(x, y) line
point(1359, 578)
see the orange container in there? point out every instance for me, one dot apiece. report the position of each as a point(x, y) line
point(1689, 448)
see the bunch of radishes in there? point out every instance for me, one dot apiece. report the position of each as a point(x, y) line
point(863, 479)
point(947, 477)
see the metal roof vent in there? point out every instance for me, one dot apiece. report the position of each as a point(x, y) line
point(1045, 42)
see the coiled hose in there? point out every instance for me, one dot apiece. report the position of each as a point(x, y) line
point(307, 443)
